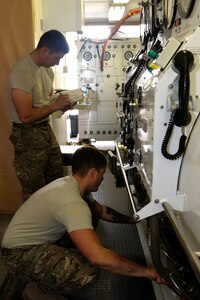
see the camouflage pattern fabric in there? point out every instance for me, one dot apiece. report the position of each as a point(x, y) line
point(38, 159)
point(13, 283)
point(55, 269)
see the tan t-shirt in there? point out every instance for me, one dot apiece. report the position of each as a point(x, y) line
point(48, 214)
point(38, 81)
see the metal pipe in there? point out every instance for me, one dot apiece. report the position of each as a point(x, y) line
point(125, 179)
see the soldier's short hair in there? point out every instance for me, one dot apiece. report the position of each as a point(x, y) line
point(54, 40)
point(86, 158)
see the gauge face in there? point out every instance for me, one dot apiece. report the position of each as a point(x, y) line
point(169, 13)
point(87, 56)
point(128, 55)
point(107, 55)
point(185, 8)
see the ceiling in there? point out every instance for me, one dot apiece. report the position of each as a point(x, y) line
point(96, 11)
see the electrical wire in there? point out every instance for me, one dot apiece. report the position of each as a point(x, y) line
point(132, 12)
point(88, 40)
point(165, 142)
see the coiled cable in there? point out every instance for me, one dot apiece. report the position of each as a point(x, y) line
point(165, 142)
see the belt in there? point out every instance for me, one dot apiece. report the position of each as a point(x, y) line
point(21, 125)
point(8, 252)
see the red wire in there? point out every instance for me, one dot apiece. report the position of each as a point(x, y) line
point(132, 12)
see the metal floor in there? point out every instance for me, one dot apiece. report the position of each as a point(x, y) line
point(125, 240)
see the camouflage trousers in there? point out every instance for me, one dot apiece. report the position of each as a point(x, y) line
point(38, 159)
point(55, 269)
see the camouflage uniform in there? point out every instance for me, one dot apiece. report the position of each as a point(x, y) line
point(55, 269)
point(38, 159)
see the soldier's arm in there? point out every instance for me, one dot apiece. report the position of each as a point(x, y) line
point(88, 243)
point(28, 114)
point(109, 214)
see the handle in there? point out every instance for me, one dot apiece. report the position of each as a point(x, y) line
point(183, 62)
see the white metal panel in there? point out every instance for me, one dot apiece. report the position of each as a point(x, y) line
point(160, 98)
point(63, 15)
point(101, 120)
point(186, 25)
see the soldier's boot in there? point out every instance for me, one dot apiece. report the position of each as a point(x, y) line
point(12, 288)
point(33, 292)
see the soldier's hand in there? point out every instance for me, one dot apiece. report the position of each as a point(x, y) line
point(153, 275)
point(63, 102)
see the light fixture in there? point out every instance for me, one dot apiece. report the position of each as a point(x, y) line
point(116, 12)
point(120, 1)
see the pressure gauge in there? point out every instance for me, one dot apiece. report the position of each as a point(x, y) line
point(170, 7)
point(107, 55)
point(128, 55)
point(87, 56)
point(185, 8)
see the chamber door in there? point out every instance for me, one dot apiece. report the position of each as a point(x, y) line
point(185, 8)
point(170, 8)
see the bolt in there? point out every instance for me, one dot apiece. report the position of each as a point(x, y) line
point(136, 217)
point(156, 201)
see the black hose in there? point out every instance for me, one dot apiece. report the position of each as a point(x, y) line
point(134, 77)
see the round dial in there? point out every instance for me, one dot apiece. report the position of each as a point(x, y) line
point(170, 7)
point(87, 56)
point(185, 8)
point(128, 55)
point(107, 55)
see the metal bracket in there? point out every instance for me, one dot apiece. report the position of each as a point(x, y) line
point(178, 202)
point(128, 167)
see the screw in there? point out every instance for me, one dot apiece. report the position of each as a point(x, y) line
point(136, 217)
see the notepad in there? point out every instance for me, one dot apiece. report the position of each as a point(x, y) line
point(76, 98)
